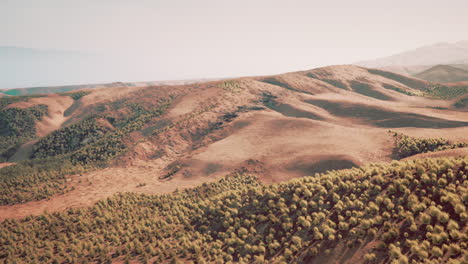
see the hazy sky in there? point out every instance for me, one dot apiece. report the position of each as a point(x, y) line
point(174, 39)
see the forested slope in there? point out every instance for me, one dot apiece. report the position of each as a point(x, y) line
point(403, 212)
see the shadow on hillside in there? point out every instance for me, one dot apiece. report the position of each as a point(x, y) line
point(70, 110)
point(274, 81)
point(366, 89)
point(385, 118)
point(333, 82)
point(397, 89)
point(413, 83)
point(287, 110)
point(332, 163)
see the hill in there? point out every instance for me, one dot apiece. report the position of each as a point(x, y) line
point(460, 66)
point(440, 53)
point(443, 74)
point(125, 162)
point(272, 125)
point(412, 70)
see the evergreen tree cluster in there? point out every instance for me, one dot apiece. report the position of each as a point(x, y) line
point(69, 139)
point(406, 146)
point(446, 92)
point(77, 95)
point(412, 212)
point(78, 148)
point(17, 126)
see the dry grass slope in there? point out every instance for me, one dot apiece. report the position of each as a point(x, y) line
point(278, 127)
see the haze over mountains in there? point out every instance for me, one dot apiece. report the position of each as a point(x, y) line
point(441, 62)
point(74, 70)
point(440, 53)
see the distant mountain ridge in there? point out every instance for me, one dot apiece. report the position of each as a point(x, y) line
point(57, 89)
point(440, 53)
point(69, 88)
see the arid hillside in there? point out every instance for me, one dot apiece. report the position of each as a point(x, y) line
point(155, 139)
point(144, 168)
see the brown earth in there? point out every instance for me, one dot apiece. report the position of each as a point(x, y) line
point(276, 127)
point(5, 164)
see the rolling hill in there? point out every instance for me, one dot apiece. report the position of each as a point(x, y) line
point(191, 137)
point(443, 74)
point(144, 170)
